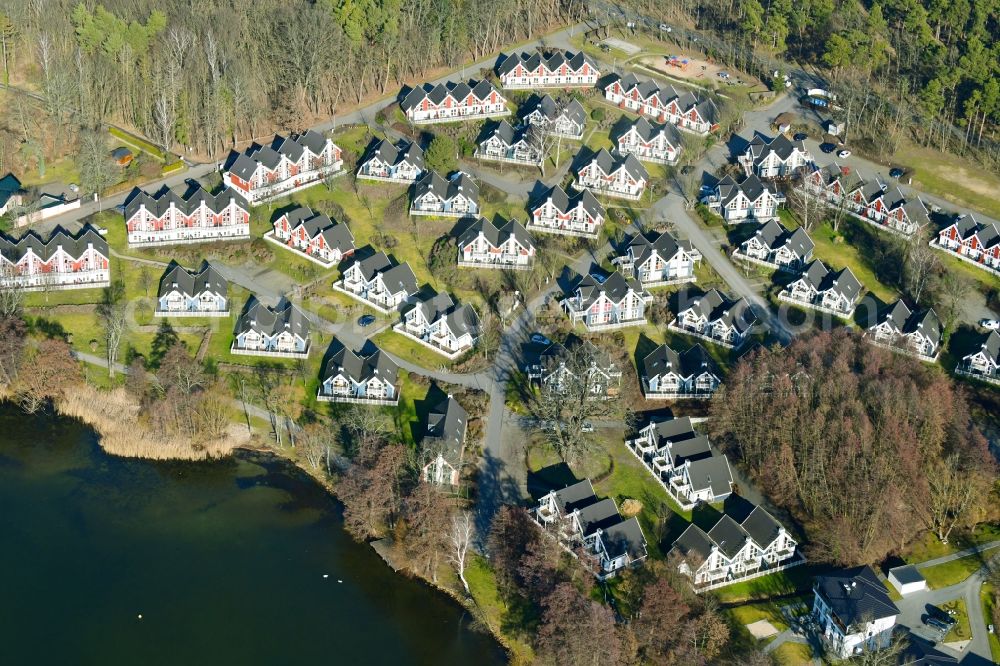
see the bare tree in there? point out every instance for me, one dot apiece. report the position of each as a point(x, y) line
point(112, 312)
point(461, 537)
point(11, 293)
point(806, 207)
point(53, 369)
point(954, 491)
point(950, 296)
point(240, 385)
point(920, 265)
point(539, 139)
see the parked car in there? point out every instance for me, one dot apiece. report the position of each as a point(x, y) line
point(936, 623)
point(366, 320)
point(605, 48)
point(587, 427)
point(827, 147)
point(844, 153)
point(665, 28)
point(941, 615)
point(896, 172)
point(540, 339)
point(801, 136)
point(990, 324)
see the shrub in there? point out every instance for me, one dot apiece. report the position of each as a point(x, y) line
point(597, 114)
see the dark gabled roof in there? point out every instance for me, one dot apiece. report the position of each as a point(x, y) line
point(575, 496)
point(762, 527)
point(660, 361)
point(855, 595)
point(675, 430)
point(495, 235)
point(244, 164)
point(913, 206)
point(781, 145)
point(751, 186)
point(192, 283)
point(728, 536)
point(693, 541)
point(712, 472)
point(400, 278)
point(548, 109)
point(74, 245)
point(337, 236)
point(919, 652)
point(990, 347)
point(774, 235)
point(717, 307)
point(926, 323)
point(446, 425)
point(551, 61)
point(907, 574)
point(625, 537)
point(693, 449)
point(458, 183)
point(9, 186)
point(648, 131)
point(609, 164)
point(895, 314)
point(665, 245)
point(564, 203)
point(398, 153)
point(502, 130)
point(270, 321)
point(557, 354)
point(159, 202)
point(434, 306)
point(361, 367)
point(464, 319)
point(616, 287)
point(599, 516)
point(697, 360)
point(372, 265)
point(459, 91)
point(822, 279)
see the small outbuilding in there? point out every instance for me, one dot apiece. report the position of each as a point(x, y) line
point(907, 579)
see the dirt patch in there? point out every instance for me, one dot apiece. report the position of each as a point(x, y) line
point(762, 629)
point(693, 68)
point(962, 176)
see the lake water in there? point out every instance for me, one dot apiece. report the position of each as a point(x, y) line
point(223, 560)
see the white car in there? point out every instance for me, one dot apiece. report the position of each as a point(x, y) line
point(844, 153)
point(587, 427)
point(665, 28)
point(990, 324)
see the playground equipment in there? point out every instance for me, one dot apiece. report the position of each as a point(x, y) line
point(678, 62)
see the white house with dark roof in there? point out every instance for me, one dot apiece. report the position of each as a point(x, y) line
point(779, 157)
point(618, 176)
point(282, 331)
point(914, 332)
point(444, 443)
point(555, 69)
point(502, 143)
point(577, 518)
point(486, 245)
point(897, 212)
point(745, 542)
point(60, 261)
point(746, 201)
point(667, 375)
point(566, 120)
point(169, 217)
point(819, 288)
point(313, 235)
point(614, 302)
point(716, 318)
point(458, 196)
point(973, 241)
point(650, 142)
point(200, 293)
point(288, 164)
point(665, 104)
point(453, 101)
point(401, 162)
point(657, 260)
point(682, 462)
point(854, 611)
point(576, 360)
point(441, 324)
point(776, 246)
point(379, 282)
point(559, 213)
point(984, 363)
point(367, 377)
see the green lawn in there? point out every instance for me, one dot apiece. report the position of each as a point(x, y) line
point(793, 654)
point(792, 581)
point(987, 598)
point(767, 610)
point(483, 586)
point(929, 547)
point(950, 573)
point(961, 630)
point(953, 178)
point(837, 253)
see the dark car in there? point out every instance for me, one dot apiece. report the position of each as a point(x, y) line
point(540, 339)
point(938, 617)
point(366, 320)
point(896, 172)
point(801, 136)
point(828, 147)
point(686, 169)
point(936, 623)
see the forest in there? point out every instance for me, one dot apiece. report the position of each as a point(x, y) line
point(206, 75)
point(865, 448)
point(929, 66)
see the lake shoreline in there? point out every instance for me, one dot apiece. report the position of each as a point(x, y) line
point(109, 431)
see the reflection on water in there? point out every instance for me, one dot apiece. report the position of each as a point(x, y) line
point(224, 561)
